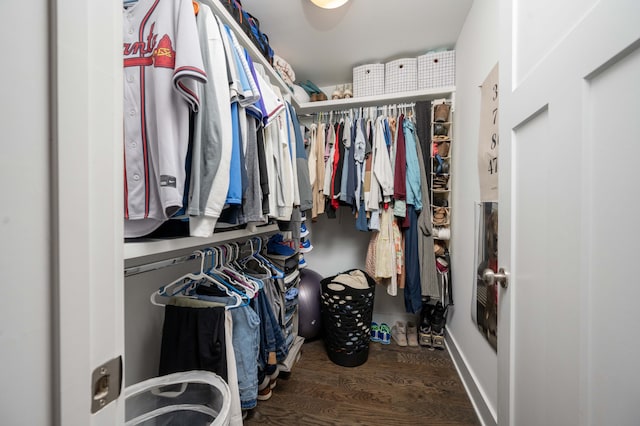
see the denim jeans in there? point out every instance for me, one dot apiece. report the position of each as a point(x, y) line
point(246, 344)
point(412, 288)
point(271, 337)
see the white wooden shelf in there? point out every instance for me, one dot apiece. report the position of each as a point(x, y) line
point(389, 98)
point(151, 247)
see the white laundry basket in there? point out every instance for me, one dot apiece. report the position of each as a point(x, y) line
point(189, 398)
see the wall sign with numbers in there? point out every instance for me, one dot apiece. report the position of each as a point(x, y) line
point(489, 138)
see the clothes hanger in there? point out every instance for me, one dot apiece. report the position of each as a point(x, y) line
point(183, 282)
point(187, 289)
point(229, 277)
point(276, 272)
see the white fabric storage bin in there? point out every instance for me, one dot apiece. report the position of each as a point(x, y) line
point(192, 397)
point(437, 69)
point(400, 75)
point(368, 80)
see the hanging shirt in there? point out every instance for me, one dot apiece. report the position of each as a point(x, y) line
point(162, 63)
point(212, 133)
point(381, 165)
point(359, 157)
point(414, 195)
point(400, 172)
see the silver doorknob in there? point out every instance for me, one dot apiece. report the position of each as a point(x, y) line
point(502, 277)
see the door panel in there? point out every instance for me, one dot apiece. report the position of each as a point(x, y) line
point(557, 19)
point(559, 239)
point(613, 243)
point(86, 43)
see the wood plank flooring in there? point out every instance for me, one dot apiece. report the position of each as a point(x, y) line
point(396, 386)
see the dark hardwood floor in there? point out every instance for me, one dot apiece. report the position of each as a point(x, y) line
point(396, 386)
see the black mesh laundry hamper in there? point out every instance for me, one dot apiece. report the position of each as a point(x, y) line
point(346, 319)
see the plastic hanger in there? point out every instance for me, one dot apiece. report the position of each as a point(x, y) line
point(183, 282)
point(219, 273)
point(187, 285)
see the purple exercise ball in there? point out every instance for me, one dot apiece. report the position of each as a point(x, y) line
point(309, 317)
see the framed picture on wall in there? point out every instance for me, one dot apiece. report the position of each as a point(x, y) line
point(484, 307)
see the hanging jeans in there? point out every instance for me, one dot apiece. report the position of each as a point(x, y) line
point(413, 288)
point(271, 337)
point(246, 345)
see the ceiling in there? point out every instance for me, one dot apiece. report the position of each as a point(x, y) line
point(324, 45)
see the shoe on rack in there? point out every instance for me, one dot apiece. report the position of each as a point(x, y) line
point(272, 373)
point(301, 262)
point(438, 321)
point(264, 385)
point(424, 333)
point(304, 231)
point(264, 394)
point(399, 333)
point(276, 245)
point(412, 333)
point(305, 245)
point(338, 93)
point(348, 92)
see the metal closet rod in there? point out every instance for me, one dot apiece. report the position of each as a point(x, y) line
point(361, 108)
point(160, 264)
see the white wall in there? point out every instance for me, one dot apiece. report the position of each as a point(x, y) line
point(476, 54)
point(25, 313)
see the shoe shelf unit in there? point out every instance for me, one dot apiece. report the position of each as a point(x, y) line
point(442, 139)
point(386, 99)
point(288, 314)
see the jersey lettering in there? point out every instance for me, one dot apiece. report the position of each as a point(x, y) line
point(151, 52)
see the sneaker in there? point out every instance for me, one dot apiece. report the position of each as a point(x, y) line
point(412, 333)
point(384, 334)
point(264, 394)
point(305, 246)
point(264, 388)
point(303, 230)
point(301, 262)
point(399, 333)
point(438, 320)
point(276, 245)
point(264, 383)
point(273, 377)
point(374, 332)
point(424, 333)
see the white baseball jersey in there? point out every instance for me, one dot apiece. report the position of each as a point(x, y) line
point(162, 65)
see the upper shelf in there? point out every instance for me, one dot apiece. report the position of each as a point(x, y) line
point(386, 99)
point(222, 13)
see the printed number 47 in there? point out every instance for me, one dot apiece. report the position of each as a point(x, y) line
point(493, 165)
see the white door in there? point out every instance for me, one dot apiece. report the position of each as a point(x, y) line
point(86, 105)
point(569, 198)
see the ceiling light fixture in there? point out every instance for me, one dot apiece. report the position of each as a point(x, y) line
point(329, 4)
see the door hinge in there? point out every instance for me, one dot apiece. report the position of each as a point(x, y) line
point(106, 384)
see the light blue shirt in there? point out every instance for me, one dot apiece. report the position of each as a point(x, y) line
point(414, 194)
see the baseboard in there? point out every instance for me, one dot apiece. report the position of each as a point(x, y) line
point(486, 415)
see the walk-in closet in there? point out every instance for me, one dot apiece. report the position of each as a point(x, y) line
point(319, 212)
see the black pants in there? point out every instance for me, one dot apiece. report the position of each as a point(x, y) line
point(193, 339)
